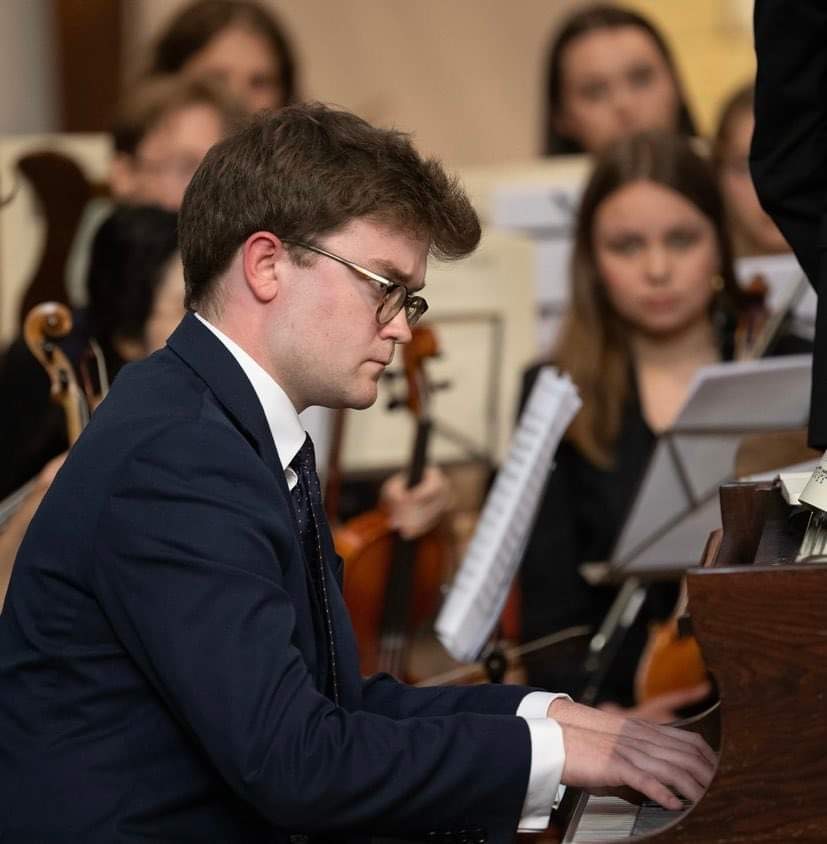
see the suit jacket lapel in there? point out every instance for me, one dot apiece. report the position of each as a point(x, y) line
point(206, 355)
point(210, 359)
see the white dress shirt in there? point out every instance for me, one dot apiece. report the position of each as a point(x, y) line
point(547, 752)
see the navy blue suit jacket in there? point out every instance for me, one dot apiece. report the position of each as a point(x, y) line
point(159, 673)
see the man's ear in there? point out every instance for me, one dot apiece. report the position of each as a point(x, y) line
point(263, 255)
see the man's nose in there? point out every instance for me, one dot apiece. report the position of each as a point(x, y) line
point(397, 329)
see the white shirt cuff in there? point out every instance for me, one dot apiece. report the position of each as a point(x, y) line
point(548, 756)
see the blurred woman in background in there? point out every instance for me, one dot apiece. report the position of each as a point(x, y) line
point(653, 299)
point(235, 42)
point(753, 230)
point(163, 127)
point(610, 74)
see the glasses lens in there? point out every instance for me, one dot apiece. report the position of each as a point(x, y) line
point(396, 298)
point(392, 303)
point(414, 308)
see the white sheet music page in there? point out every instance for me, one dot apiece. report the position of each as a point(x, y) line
point(481, 585)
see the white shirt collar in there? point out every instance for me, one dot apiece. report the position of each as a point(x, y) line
point(282, 419)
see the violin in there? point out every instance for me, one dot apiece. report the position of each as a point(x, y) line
point(43, 325)
point(671, 659)
point(393, 585)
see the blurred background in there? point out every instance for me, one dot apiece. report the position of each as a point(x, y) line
point(465, 76)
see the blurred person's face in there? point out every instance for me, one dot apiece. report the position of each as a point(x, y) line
point(242, 61)
point(615, 83)
point(167, 311)
point(753, 230)
point(657, 255)
point(166, 158)
point(167, 308)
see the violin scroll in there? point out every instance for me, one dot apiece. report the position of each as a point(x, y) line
point(44, 324)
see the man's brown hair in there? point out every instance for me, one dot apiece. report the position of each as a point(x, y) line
point(306, 171)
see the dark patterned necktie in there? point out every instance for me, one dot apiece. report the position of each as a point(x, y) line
point(307, 499)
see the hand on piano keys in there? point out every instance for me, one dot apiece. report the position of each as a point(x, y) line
point(606, 750)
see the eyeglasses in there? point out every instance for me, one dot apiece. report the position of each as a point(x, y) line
point(395, 296)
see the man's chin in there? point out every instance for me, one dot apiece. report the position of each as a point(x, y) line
point(363, 402)
point(359, 399)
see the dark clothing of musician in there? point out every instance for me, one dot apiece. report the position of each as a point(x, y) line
point(788, 159)
point(580, 517)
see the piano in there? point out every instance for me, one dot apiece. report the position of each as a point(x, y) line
point(761, 622)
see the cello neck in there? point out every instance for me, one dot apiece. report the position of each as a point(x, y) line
point(419, 453)
point(396, 613)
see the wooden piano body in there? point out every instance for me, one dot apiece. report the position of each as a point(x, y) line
point(761, 622)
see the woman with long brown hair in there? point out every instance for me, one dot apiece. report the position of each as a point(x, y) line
point(653, 299)
point(239, 43)
point(609, 74)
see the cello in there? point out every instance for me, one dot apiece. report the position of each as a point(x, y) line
point(393, 585)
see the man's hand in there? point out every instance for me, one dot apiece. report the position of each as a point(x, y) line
point(413, 512)
point(607, 750)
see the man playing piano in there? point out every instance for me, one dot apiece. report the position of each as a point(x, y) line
point(176, 660)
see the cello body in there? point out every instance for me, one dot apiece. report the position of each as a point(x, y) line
point(367, 543)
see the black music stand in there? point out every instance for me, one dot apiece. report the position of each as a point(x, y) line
point(676, 507)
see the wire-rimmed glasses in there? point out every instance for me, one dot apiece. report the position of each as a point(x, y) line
point(395, 296)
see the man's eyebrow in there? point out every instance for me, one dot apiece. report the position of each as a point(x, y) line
point(390, 271)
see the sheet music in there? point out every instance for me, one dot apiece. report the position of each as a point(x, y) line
point(478, 594)
point(678, 499)
point(794, 479)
